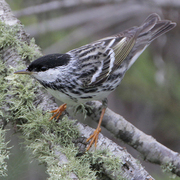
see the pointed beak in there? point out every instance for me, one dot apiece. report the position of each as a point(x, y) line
point(23, 71)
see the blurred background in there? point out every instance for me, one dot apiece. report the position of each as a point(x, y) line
point(149, 95)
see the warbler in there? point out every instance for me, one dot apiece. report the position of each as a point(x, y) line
point(93, 71)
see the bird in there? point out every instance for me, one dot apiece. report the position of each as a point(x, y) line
point(93, 71)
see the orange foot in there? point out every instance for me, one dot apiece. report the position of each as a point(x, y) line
point(94, 138)
point(57, 112)
point(95, 134)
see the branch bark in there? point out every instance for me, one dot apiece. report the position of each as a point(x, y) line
point(149, 148)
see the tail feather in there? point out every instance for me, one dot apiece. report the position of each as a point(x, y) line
point(149, 22)
point(161, 28)
point(154, 27)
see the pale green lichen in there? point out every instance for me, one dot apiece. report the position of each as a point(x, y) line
point(168, 168)
point(9, 37)
point(42, 137)
point(4, 153)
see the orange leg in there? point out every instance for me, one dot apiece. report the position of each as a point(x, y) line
point(57, 112)
point(94, 136)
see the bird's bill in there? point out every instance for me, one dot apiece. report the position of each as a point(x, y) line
point(23, 71)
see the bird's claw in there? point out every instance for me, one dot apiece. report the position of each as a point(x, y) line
point(57, 112)
point(93, 138)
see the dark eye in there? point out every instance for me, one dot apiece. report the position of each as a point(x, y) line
point(43, 68)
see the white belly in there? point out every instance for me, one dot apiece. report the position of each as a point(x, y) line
point(61, 96)
point(66, 99)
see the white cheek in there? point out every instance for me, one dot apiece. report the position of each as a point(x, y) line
point(48, 76)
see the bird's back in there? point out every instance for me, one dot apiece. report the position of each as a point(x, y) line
point(104, 62)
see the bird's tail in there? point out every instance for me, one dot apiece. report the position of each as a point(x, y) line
point(154, 27)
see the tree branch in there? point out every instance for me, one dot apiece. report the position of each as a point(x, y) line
point(150, 149)
point(53, 5)
point(77, 18)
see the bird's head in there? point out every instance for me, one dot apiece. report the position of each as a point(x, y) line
point(47, 68)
